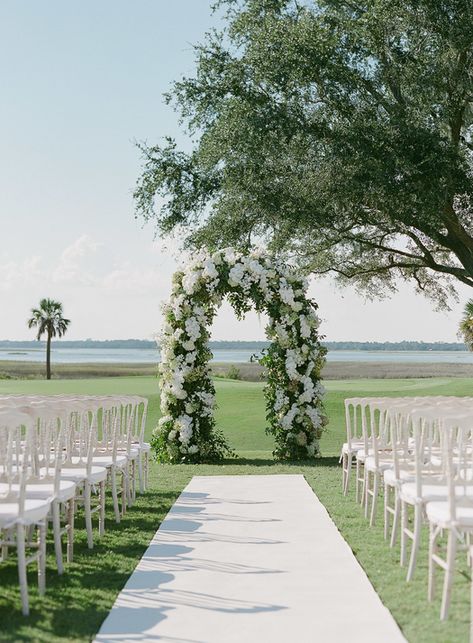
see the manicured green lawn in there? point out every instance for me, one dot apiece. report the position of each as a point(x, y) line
point(76, 603)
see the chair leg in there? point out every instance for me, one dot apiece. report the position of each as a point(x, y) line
point(102, 508)
point(397, 511)
point(403, 533)
point(4, 550)
point(140, 472)
point(42, 527)
point(124, 490)
point(113, 480)
point(386, 512)
point(366, 491)
point(133, 481)
point(88, 514)
point(415, 542)
point(146, 470)
point(357, 485)
point(70, 529)
point(433, 550)
point(57, 536)
point(374, 500)
point(22, 578)
point(448, 580)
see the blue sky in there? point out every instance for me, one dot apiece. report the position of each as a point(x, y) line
point(80, 82)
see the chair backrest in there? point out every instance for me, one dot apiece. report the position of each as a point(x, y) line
point(458, 457)
point(16, 449)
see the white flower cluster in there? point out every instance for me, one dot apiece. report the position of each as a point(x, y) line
point(187, 393)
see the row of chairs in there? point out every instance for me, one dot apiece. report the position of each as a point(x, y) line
point(60, 452)
point(420, 452)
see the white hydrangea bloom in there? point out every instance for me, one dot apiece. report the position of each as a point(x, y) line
point(281, 400)
point(209, 271)
point(192, 329)
point(314, 416)
point(288, 419)
point(184, 426)
point(236, 274)
point(190, 281)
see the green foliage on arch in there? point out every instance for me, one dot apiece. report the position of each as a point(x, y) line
point(293, 361)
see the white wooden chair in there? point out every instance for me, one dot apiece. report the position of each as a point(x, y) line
point(379, 458)
point(453, 514)
point(354, 443)
point(78, 465)
point(18, 512)
point(430, 482)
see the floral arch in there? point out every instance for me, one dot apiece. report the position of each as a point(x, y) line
point(293, 361)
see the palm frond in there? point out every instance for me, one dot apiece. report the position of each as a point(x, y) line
point(47, 318)
point(466, 325)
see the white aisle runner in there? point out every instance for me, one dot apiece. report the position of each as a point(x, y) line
point(248, 559)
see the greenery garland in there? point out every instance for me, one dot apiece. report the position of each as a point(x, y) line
point(186, 431)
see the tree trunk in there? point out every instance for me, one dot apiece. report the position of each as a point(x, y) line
point(48, 356)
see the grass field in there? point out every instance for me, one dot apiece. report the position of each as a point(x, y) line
point(76, 604)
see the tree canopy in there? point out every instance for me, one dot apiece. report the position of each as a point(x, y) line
point(336, 132)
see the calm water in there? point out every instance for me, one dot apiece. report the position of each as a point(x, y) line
point(150, 356)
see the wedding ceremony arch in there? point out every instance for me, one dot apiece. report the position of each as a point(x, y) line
point(293, 361)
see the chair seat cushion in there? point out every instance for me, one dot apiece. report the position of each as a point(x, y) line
point(144, 446)
point(370, 464)
point(105, 460)
point(79, 474)
point(43, 490)
point(439, 513)
point(132, 455)
point(35, 510)
point(432, 492)
point(355, 445)
point(405, 475)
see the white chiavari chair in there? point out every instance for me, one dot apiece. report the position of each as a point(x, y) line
point(107, 426)
point(402, 469)
point(135, 411)
point(18, 512)
point(45, 481)
point(430, 474)
point(78, 464)
point(454, 512)
point(380, 457)
point(354, 443)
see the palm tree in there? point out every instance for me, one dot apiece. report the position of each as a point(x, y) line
point(466, 324)
point(47, 318)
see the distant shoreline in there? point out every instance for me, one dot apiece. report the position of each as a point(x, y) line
point(403, 346)
point(11, 369)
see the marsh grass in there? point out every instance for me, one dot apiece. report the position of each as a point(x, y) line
point(250, 372)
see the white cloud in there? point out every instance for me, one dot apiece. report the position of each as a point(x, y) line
point(141, 280)
point(15, 274)
point(71, 266)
